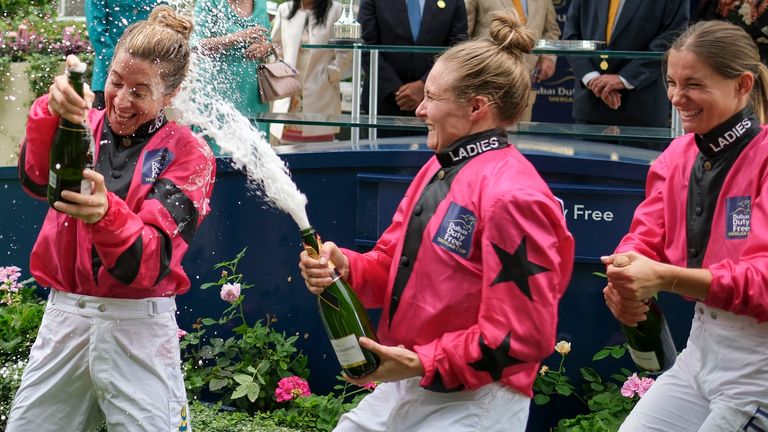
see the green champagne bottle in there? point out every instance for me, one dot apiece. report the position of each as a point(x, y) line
point(71, 151)
point(344, 318)
point(650, 343)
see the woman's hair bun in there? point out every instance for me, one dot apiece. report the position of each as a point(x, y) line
point(165, 16)
point(510, 35)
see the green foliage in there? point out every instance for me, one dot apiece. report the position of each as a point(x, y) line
point(212, 418)
point(19, 320)
point(10, 379)
point(320, 413)
point(245, 368)
point(21, 312)
point(5, 70)
point(607, 406)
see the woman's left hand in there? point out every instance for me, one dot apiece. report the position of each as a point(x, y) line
point(396, 363)
point(88, 208)
point(258, 51)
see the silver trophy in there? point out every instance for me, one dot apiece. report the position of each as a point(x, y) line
point(346, 30)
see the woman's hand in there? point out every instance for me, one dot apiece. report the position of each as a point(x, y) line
point(317, 273)
point(64, 101)
point(258, 51)
point(397, 363)
point(88, 208)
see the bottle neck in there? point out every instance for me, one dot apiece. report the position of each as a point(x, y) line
point(311, 241)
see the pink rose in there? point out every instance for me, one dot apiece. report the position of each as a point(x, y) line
point(230, 292)
point(180, 333)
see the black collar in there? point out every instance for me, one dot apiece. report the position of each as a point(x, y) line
point(740, 128)
point(142, 134)
point(472, 145)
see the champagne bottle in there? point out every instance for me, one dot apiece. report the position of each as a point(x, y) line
point(344, 318)
point(71, 150)
point(650, 343)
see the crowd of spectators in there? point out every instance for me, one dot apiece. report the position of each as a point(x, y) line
point(242, 34)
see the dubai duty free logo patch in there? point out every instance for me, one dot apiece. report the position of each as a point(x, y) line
point(154, 163)
point(455, 231)
point(738, 211)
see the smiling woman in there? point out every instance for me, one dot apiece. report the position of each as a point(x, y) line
point(113, 258)
point(472, 268)
point(700, 234)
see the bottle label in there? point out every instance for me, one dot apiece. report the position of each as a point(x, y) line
point(348, 351)
point(51, 178)
point(645, 359)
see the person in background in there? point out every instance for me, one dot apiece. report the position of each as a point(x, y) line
point(233, 36)
point(107, 347)
point(749, 15)
point(699, 234)
point(538, 16)
point(401, 75)
point(471, 270)
point(618, 91)
point(300, 22)
point(106, 20)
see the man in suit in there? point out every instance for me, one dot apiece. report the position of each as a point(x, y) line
point(401, 75)
point(624, 92)
point(539, 17)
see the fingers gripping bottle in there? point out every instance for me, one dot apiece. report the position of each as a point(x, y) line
point(650, 342)
point(344, 318)
point(71, 150)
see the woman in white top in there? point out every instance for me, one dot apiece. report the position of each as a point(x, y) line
point(309, 22)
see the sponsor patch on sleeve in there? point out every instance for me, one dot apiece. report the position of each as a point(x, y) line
point(738, 211)
point(154, 163)
point(455, 231)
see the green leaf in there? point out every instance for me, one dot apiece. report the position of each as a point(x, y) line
point(208, 321)
point(540, 399)
point(242, 378)
point(217, 384)
point(564, 389)
point(253, 392)
point(239, 392)
point(618, 351)
point(603, 353)
point(590, 375)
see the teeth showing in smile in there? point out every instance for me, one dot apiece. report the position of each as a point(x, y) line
point(689, 113)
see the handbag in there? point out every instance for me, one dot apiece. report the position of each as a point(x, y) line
point(277, 80)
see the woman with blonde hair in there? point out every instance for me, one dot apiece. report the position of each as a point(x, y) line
point(699, 234)
point(471, 270)
point(107, 348)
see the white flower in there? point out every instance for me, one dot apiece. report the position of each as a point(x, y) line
point(746, 12)
point(563, 347)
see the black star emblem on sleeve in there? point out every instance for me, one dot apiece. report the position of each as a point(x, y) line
point(516, 268)
point(495, 360)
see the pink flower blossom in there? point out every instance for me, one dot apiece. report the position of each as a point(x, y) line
point(371, 385)
point(645, 384)
point(9, 277)
point(180, 333)
point(291, 388)
point(636, 385)
point(230, 292)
